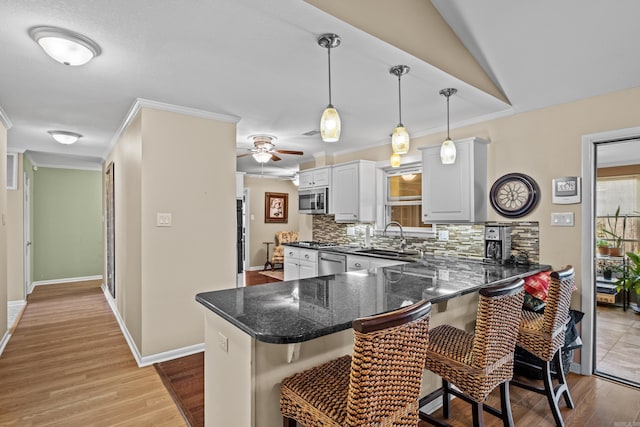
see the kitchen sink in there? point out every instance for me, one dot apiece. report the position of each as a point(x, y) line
point(387, 253)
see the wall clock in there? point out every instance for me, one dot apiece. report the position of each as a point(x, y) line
point(514, 195)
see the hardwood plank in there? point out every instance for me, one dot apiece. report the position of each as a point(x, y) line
point(68, 364)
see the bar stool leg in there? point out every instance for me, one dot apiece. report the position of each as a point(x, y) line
point(562, 388)
point(288, 422)
point(446, 399)
point(549, 392)
point(478, 415)
point(505, 405)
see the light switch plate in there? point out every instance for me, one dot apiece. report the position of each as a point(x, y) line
point(163, 219)
point(562, 219)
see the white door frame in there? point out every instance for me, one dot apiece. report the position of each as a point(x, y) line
point(589, 143)
point(26, 221)
point(247, 223)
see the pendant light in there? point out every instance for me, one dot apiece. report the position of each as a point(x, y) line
point(400, 136)
point(448, 149)
point(330, 121)
point(395, 160)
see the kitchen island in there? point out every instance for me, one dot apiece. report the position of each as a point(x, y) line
point(256, 336)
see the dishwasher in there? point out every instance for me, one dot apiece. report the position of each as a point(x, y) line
point(331, 263)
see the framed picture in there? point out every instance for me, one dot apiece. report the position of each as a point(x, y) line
point(276, 207)
point(566, 190)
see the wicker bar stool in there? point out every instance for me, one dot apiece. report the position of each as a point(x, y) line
point(379, 385)
point(476, 363)
point(542, 334)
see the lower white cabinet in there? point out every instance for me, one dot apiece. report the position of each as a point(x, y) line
point(358, 262)
point(300, 263)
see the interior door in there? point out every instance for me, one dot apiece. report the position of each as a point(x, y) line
point(27, 234)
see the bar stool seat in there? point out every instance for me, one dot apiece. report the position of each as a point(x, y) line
point(542, 334)
point(379, 385)
point(476, 363)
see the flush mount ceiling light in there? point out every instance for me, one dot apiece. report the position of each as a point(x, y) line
point(330, 121)
point(409, 177)
point(64, 137)
point(400, 136)
point(395, 160)
point(448, 149)
point(65, 46)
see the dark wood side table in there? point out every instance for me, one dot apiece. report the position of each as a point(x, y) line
point(267, 265)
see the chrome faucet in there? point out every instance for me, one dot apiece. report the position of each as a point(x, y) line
point(403, 242)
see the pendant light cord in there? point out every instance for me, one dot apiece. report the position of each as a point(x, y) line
point(399, 102)
point(448, 116)
point(329, 56)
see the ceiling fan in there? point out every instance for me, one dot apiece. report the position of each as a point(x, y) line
point(264, 149)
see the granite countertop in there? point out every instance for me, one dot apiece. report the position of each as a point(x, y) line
point(300, 310)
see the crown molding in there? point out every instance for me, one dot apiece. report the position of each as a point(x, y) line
point(4, 119)
point(162, 106)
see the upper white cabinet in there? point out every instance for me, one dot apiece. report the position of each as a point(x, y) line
point(456, 192)
point(319, 177)
point(354, 191)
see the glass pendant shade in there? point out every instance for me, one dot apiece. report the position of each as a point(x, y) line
point(400, 140)
point(395, 160)
point(262, 157)
point(448, 152)
point(64, 46)
point(330, 125)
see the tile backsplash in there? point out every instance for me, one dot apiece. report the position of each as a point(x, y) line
point(465, 241)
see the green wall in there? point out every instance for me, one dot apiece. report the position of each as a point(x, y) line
point(67, 224)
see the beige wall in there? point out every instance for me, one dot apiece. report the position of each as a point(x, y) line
point(3, 231)
point(265, 232)
point(15, 238)
point(543, 144)
point(172, 163)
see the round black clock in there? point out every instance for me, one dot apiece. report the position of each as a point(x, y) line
point(514, 195)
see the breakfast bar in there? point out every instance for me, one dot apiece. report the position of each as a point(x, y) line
point(256, 336)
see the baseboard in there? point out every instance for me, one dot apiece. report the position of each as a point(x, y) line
point(256, 267)
point(58, 281)
point(5, 341)
point(153, 358)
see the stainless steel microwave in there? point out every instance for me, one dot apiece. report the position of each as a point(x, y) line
point(313, 201)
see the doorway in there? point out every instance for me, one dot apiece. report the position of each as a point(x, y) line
point(27, 234)
point(611, 176)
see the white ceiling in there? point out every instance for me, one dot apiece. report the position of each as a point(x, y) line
point(260, 61)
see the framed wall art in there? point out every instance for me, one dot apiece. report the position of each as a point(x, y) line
point(565, 190)
point(276, 207)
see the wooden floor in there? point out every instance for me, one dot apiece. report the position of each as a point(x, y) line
point(68, 364)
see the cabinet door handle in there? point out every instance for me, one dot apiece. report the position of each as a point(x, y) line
point(306, 256)
point(357, 264)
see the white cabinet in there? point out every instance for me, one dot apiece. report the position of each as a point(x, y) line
point(457, 192)
point(239, 185)
point(319, 177)
point(359, 262)
point(300, 263)
point(354, 191)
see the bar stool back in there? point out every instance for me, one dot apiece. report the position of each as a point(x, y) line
point(478, 362)
point(379, 385)
point(543, 336)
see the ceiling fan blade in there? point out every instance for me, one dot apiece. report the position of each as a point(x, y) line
point(297, 153)
point(275, 158)
point(243, 155)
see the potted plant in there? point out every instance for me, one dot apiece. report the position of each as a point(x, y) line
point(629, 279)
point(603, 247)
point(612, 231)
point(607, 272)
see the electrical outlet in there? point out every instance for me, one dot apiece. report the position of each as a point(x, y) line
point(223, 342)
point(163, 219)
point(443, 274)
point(562, 219)
point(443, 235)
point(351, 231)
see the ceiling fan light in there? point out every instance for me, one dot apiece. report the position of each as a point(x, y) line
point(64, 137)
point(64, 46)
point(262, 157)
point(395, 160)
point(400, 140)
point(330, 125)
point(448, 152)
